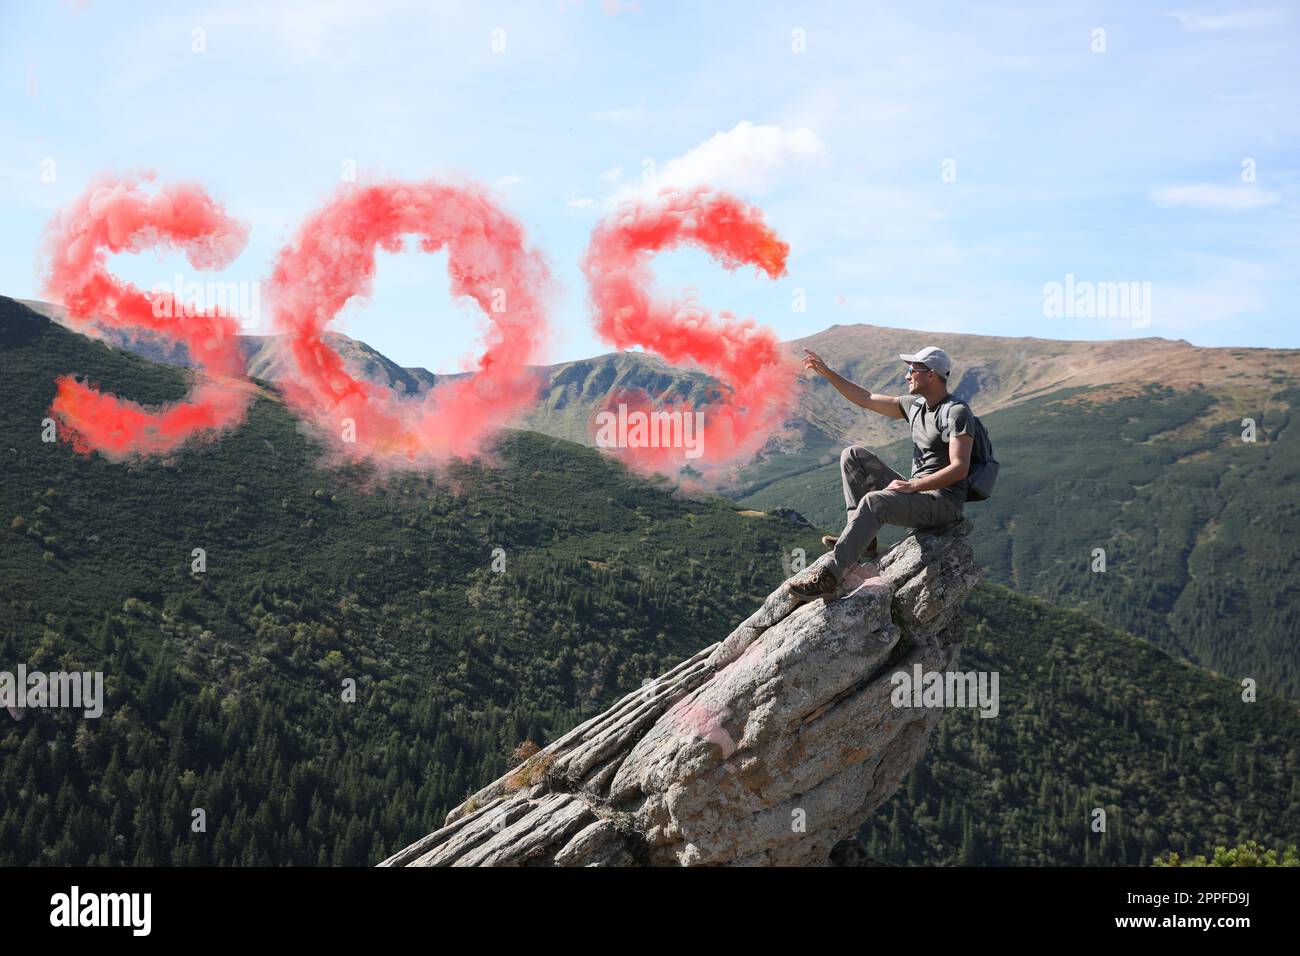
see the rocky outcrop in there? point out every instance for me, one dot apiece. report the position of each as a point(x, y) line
point(768, 748)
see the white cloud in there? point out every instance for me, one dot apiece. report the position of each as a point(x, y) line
point(747, 159)
point(612, 175)
point(508, 180)
point(1239, 20)
point(1210, 196)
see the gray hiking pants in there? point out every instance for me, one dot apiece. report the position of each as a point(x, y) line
point(869, 505)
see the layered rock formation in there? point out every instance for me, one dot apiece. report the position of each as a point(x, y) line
point(770, 747)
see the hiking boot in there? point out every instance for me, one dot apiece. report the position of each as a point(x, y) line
point(814, 582)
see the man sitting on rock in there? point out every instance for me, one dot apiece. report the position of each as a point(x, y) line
point(874, 493)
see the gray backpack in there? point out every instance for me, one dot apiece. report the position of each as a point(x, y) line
point(983, 472)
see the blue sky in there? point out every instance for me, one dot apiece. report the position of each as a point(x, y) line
point(1110, 157)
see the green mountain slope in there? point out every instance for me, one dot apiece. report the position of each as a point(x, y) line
point(1198, 526)
point(1090, 717)
point(225, 687)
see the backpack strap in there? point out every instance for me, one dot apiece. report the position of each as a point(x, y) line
point(945, 411)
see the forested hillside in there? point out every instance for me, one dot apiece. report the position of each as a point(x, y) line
point(1091, 717)
point(226, 689)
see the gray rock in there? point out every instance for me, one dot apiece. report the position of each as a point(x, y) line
point(769, 748)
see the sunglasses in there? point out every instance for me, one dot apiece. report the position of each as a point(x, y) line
point(914, 368)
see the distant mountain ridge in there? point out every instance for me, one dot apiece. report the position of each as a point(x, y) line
point(992, 372)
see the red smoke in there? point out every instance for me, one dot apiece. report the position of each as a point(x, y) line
point(113, 215)
point(332, 260)
point(643, 452)
point(747, 359)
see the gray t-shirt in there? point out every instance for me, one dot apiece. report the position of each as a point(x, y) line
point(929, 444)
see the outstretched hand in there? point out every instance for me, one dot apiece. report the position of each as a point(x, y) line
point(814, 361)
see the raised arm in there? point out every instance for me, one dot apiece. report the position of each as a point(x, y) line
point(881, 404)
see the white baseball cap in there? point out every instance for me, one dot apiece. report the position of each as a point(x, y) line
point(935, 359)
